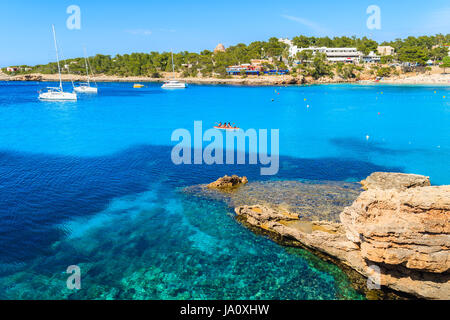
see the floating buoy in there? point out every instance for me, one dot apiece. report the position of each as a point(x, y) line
point(367, 137)
point(381, 92)
point(307, 105)
point(304, 99)
point(434, 91)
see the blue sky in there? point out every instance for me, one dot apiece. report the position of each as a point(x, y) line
point(111, 27)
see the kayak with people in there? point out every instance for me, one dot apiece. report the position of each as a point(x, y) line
point(226, 126)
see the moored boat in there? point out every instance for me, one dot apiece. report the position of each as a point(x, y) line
point(56, 93)
point(85, 87)
point(173, 84)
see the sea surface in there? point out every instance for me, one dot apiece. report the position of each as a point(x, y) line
point(91, 183)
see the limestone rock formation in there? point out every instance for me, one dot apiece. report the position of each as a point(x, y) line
point(389, 180)
point(400, 228)
point(410, 228)
point(227, 182)
point(27, 77)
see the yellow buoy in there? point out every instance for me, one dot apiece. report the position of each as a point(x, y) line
point(138, 85)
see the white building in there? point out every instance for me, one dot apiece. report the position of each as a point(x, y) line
point(286, 41)
point(333, 54)
point(371, 58)
point(342, 54)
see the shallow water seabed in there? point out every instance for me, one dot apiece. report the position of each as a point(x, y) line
point(310, 199)
point(177, 247)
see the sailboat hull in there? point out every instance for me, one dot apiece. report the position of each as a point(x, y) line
point(58, 96)
point(174, 85)
point(85, 89)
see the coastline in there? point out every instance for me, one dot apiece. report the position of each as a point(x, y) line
point(394, 232)
point(423, 79)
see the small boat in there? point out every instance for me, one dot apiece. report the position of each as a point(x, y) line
point(85, 87)
point(138, 85)
point(226, 128)
point(174, 84)
point(56, 93)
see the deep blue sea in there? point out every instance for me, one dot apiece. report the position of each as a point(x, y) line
point(91, 183)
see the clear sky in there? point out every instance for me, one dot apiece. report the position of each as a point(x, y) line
point(111, 27)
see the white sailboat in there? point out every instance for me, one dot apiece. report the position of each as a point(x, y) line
point(85, 87)
point(173, 84)
point(56, 93)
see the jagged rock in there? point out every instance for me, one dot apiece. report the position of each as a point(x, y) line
point(27, 77)
point(400, 228)
point(410, 228)
point(227, 182)
point(389, 180)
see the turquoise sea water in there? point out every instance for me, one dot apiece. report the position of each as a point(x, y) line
point(91, 183)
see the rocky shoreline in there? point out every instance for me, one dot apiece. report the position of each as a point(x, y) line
point(396, 234)
point(439, 79)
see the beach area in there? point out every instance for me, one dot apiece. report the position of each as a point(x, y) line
point(434, 77)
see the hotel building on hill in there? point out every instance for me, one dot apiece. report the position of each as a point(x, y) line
point(351, 55)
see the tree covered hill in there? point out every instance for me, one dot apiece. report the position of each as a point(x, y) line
point(412, 49)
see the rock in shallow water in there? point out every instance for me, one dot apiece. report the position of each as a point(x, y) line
point(399, 230)
point(310, 200)
point(227, 182)
point(394, 180)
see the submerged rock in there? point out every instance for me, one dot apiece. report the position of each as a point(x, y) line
point(310, 200)
point(227, 182)
point(394, 180)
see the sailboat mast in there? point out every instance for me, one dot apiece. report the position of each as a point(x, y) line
point(173, 67)
point(86, 63)
point(57, 57)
